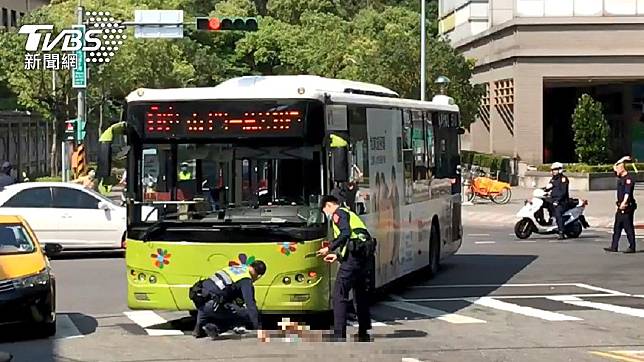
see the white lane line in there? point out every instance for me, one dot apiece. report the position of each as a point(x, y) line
point(526, 241)
point(485, 242)
point(409, 359)
point(434, 313)
point(496, 285)
point(526, 311)
point(598, 289)
point(508, 297)
point(147, 318)
point(634, 312)
point(65, 328)
point(374, 323)
point(558, 241)
point(478, 235)
point(638, 296)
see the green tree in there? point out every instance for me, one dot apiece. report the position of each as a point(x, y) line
point(591, 131)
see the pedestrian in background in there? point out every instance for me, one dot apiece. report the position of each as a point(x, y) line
point(626, 207)
point(88, 181)
point(5, 175)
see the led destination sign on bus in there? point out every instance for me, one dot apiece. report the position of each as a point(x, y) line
point(162, 121)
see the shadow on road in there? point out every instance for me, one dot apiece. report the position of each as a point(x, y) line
point(83, 254)
point(27, 343)
point(461, 277)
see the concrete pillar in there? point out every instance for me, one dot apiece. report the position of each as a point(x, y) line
point(528, 120)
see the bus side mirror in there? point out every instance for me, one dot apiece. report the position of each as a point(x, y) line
point(340, 164)
point(104, 162)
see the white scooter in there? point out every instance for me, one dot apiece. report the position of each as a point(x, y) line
point(532, 219)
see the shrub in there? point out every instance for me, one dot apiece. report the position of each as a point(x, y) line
point(584, 168)
point(591, 132)
point(49, 179)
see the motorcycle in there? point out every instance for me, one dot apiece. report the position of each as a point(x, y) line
point(532, 219)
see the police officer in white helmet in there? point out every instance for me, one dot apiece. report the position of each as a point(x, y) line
point(559, 195)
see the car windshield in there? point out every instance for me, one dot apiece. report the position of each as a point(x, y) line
point(14, 239)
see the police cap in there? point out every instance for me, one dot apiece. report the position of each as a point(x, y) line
point(329, 198)
point(623, 160)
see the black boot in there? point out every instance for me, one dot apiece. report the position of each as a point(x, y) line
point(629, 251)
point(562, 236)
point(211, 330)
point(198, 332)
point(611, 250)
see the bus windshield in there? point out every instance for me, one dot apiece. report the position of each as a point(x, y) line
point(231, 163)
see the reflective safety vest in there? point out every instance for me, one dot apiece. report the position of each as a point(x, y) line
point(185, 176)
point(358, 230)
point(229, 276)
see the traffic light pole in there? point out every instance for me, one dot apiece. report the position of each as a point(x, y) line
point(81, 91)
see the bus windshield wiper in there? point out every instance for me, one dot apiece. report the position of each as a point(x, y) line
point(158, 225)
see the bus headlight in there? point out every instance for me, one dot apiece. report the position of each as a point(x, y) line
point(142, 277)
point(299, 278)
point(286, 280)
point(152, 279)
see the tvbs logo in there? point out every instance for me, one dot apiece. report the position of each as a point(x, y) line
point(101, 39)
point(70, 39)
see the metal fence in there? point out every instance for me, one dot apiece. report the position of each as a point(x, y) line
point(25, 141)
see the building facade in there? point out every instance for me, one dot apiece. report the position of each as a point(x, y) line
point(14, 10)
point(536, 58)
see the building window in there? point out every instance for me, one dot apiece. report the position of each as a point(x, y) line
point(5, 18)
point(14, 21)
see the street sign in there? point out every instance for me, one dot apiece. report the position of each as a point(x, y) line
point(80, 130)
point(79, 75)
point(158, 23)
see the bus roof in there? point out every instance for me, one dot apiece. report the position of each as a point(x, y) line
point(289, 87)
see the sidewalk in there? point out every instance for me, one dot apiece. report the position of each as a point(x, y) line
point(600, 211)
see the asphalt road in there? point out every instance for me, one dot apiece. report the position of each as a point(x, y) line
point(498, 299)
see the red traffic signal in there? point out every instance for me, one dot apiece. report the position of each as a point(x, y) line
point(227, 23)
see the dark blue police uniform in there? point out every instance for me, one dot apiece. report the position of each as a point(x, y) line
point(220, 308)
point(354, 274)
point(559, 196)
point(624, 218)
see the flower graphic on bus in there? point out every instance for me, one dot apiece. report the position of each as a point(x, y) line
point(287, 248)
point(240, 265)
point(161, 258)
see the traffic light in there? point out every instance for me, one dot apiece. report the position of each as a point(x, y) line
point(80, 130)
point(70, 130)
point(233, 23)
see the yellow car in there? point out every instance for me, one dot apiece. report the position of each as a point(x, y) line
point(27, 284)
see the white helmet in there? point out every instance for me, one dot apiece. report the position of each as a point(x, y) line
point(557, 166)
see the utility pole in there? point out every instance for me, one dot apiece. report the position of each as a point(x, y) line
point(81, 90)
point(422, 50)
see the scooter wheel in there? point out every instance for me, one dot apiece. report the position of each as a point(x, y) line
point(523, 228)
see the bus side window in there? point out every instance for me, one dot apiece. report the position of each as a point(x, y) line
point(421, 170)
point(359, 159)
point(408, 155)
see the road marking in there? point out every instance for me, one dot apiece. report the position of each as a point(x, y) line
point(498, 285)
point(558, 241)
point(509, 297)
point(65, 328)
point(409, 359)
point(526, 241)
point(598, 289)
point(614, 355)
point(485, 242)
point(434, 313)
point(374, 323)
point(634, 312)
point(148, 318)
point(527, 311)
point(478, 235)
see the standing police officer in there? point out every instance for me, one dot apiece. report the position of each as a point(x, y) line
point(355, 252)
point(626, 206)
point(217, 300)
point(558, 188)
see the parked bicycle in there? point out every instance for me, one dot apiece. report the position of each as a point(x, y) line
point(480, 185)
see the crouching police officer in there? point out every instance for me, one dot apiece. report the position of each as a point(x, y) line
point(218, 300)
point(356, 249)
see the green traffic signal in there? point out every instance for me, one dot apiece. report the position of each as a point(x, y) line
point(227, 23)
point(80, 130)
